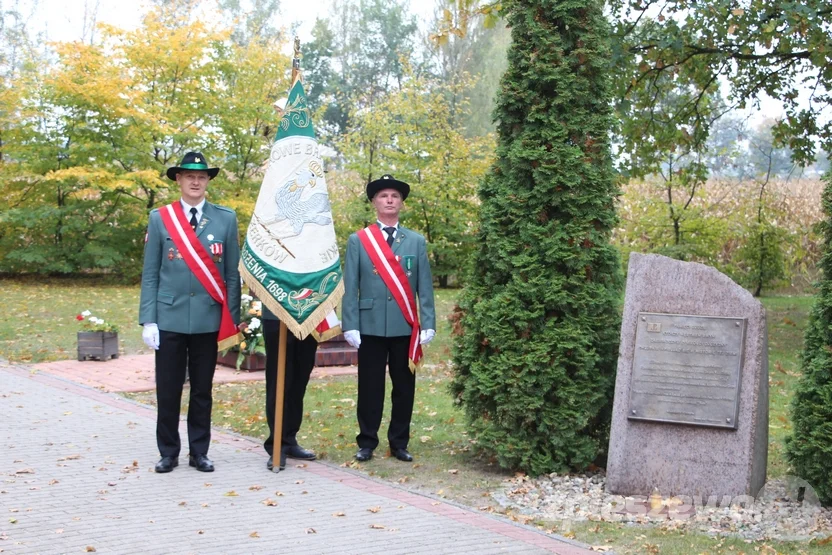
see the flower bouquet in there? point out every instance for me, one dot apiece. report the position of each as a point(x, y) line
point(253, 349)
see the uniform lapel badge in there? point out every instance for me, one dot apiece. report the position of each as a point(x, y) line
point(178, 255)
point(375, 271)
point(408, 263)
point(170, 254)
point(203, 222)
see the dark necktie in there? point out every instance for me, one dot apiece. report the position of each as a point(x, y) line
point(390, 231)
point(193, 219)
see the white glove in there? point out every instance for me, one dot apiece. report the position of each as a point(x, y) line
point(353, 337)
point(150, 336)
point(425, 336)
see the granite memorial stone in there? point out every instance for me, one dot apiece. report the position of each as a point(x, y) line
point(690, 415)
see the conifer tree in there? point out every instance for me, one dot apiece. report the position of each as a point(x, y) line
point(809, 448)
point(537, 327)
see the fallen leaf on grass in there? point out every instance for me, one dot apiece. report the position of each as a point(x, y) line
point(89, 549)
point(24, 471)
point(377, 526)
point(255, 488)
point(12, 521)
point(59, 531)
point(183, 503)
point(52, 482)
point(200, 531)
point(279, 493)
point(374, 509)
point(254, 535)
point(269, 502)
point(311, 531)
point(600, 548)
point(298, 481)
point(339, 513)
point(424, 439)
point(453, 471)
point(231, 493)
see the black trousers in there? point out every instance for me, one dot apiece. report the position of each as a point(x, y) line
point(300, 359)
point(198, 353)
point(374, 354)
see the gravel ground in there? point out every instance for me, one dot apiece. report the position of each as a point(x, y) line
point(774, 514)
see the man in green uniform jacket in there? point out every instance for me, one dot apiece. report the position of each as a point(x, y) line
point(376, 325)
point(181, 320)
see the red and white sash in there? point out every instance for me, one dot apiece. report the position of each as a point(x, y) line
point(394, 278)
point(203, 267)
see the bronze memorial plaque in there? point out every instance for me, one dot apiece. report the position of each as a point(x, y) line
point(686, 369)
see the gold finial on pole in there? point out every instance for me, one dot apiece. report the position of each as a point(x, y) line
point(296, 59)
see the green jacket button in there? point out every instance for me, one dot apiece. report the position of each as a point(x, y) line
point(192, 294)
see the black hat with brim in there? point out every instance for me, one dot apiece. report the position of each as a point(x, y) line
point(387, 181)
point(193, 161)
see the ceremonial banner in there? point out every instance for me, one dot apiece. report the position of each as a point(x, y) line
point(290, 258)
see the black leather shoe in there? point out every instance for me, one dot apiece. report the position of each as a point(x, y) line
point(364, 454)
point(201, 463)
point(402, 455)
point(270, 463)
point(166, 464)
point(298, 452)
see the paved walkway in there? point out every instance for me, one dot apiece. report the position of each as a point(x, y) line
point(77, 475)
point(132, 373)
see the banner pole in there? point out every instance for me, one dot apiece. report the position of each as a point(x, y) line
point(278, 398)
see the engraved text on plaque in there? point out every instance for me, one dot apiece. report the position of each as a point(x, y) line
point(686, 369)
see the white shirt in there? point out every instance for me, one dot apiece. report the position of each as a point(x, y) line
point(385, 225)
point(187, 208)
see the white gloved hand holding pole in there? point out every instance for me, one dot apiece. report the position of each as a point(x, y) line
point(150, 336)
point(353, 337)
point(426, 336)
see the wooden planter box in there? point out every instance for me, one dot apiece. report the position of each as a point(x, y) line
point(97, 345)
point(251, 363)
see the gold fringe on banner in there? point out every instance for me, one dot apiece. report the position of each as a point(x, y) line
point(298, 330)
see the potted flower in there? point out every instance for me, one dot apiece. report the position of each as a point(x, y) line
point(97, 339)
point(251, 353)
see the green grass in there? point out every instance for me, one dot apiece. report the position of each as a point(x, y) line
point(787, 318)
point(38, 324)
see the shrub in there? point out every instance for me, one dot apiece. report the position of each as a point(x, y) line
point(537, 327)
point(809, 447)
